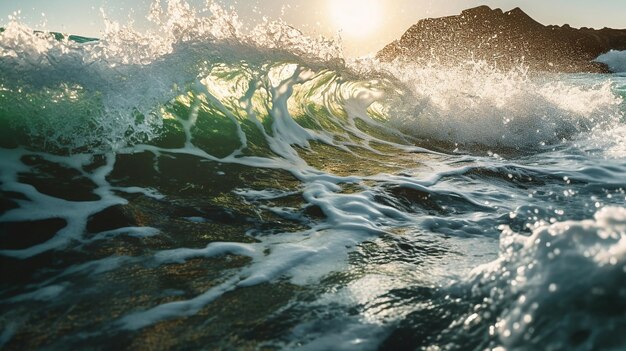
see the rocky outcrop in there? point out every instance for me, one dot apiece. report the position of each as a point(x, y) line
point(61, 36)
point(505, 39)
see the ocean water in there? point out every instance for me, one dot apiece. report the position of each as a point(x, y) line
point(205, 186)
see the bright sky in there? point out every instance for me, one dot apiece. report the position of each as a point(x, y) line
point(365, 25)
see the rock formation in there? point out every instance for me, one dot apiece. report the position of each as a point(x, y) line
point(505, 39)
point(61, 36)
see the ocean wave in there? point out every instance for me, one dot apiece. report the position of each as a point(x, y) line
point(108, 93)
point(481, 105)
point(616, 60)
point(558, 288)
point(113, 92)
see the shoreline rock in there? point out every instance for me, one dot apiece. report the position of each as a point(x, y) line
point(506, 39)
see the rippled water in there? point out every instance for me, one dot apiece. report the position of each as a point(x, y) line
point(202, 187)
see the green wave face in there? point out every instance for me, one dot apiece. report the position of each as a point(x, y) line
point(227, 108)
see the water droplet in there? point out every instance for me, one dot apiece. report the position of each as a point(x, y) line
point(472, 318)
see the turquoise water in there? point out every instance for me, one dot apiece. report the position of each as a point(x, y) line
point(201, 187)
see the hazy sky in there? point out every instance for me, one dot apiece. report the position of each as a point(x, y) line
point(366, 25)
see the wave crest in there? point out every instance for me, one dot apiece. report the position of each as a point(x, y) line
point(616, 60)
point(557, 288)
point(479, 104)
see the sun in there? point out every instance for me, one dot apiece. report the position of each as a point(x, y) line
point(356, 18)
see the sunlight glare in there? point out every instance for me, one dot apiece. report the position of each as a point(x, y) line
point(356, 18)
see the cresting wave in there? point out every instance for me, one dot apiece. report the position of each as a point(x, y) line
point(561, 287)
point(91, 91)
point(92, 98)
point(616, 60)
point(478, 104)
point(177, 170)
point(536, 275)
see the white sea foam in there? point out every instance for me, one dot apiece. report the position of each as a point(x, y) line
point(478, 104)
point(41, 206)
point(302, 257)
point(552, 287)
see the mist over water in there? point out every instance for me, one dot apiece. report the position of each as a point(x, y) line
point(202, 185)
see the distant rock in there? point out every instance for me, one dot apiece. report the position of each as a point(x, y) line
point(61, 36)
point(74, 38)
point(506, 39)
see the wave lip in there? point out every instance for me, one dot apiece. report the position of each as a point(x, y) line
point(616, 60)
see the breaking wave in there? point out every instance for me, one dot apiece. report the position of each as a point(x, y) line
point(616, 60)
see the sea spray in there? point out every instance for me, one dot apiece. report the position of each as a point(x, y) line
point(477, 104)
point(551, 289)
